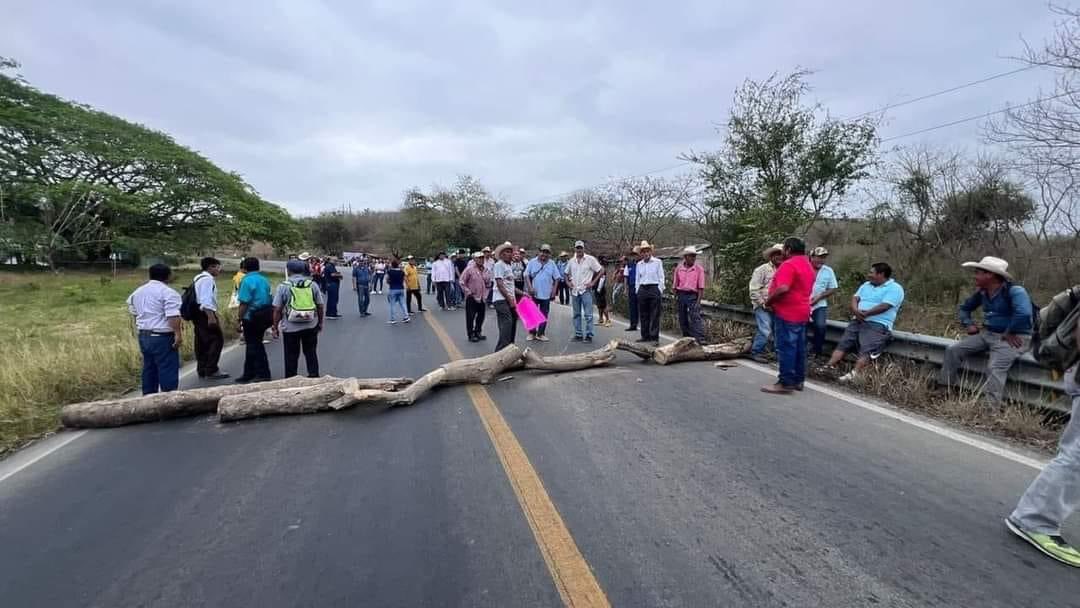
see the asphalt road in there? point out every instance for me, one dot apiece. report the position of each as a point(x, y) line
point(681, 486)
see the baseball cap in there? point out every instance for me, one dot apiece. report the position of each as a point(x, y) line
point(819, 252)
point(579, 244)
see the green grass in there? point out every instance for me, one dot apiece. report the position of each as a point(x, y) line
point(68, 338)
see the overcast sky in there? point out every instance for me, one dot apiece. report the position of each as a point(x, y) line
point(325, 103)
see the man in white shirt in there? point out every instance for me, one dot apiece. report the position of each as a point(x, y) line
point(582, 273)
point(208, 336)
point(156, 308)
point(443, 271)
point(649, 285)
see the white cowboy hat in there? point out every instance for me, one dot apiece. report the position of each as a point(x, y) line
point(989, 263)
point(486, 250)
point(500, 248)
point(304, 256)
point(645, 245)
point(777, 248)
point(477, 255)
point(690, 250)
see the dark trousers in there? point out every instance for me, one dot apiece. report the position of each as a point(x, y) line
point(819, 318)
point(430, 285)
point(161, 364)
point(332, 294)
point(564, 293)
point(208, 343)
point(632, 304)
point(545, 307)
point(649, 303)
point(256, 365)
point(442, 293)
point(409, 295)
point(789, 340)
point(507, 324)
point(690, 316)
point(363, 298)
point(474, 317)
point(378, 281)
point(295, 341)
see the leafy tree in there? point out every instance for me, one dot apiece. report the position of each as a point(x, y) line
point(328, 232)
point(782, 167)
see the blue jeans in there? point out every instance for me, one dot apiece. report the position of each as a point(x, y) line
point(396, 298)
point(764, 321)
point(161, 364)
point(583, 310)
point(363, 298)
point(332, 295)
point(819, 318)
point(790, 341)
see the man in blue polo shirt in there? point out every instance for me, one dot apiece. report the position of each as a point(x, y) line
point(256, 315)
point(873, 308)
point(542, 277)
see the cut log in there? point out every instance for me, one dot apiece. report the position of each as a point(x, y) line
point(688, 349)
point(567, 363)
point(409, 396)
point(482, 370)
point(162, 406)
point(298, 400)
point(641, 349)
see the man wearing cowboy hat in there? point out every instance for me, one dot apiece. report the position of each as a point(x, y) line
point(1005, 333)
point(564, 289)
point(689, 285)
point(649, 287)
point(759, 292)
point(506, 296)
point(582, 273)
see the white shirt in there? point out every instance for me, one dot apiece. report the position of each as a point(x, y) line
point(505, 272)
point(152, 305)
point(206, 291)
point(581, 272)
point(442, 271)
point(650, 273)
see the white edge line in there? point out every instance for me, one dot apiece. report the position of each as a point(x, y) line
point(66, 438)
point(937, 429)
point(62, 441)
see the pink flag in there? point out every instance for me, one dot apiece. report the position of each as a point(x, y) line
point(530, 313)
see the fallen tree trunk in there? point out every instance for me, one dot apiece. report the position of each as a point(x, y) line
point(688, 349)
point(643, 350)
point(409, 396)
point(162, 406)
point(567, 363)
point(482, 370)
point(297, 400)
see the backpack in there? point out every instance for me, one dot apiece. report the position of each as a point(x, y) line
point(1056, 334)
point(189, 303)
point(301, 306)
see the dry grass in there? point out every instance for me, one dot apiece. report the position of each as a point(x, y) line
point(67, 338)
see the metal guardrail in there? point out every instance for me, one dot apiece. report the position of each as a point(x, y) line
point(1028, 382)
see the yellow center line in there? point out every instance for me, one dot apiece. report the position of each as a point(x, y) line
point(569, 571)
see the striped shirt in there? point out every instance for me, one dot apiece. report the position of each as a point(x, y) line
point(152, 305)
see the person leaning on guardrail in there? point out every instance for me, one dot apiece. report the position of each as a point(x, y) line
point(759, 291)
point(1055, 493)
point(1005, 333)
point(873, 308)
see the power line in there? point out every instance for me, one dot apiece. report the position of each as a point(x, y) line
point(857, 116)
point(971, 118)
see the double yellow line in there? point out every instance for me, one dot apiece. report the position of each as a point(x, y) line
point(569, 571)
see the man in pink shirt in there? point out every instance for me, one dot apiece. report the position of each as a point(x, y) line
point(789, 300)
point(689, 285)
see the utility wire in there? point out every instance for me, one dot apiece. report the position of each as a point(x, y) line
point(971, 118)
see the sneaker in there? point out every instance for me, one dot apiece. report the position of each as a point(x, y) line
point(391, 322)
point(407, 319)
point(543, 338)
point(848, 377)
point(529, 338)
point(578, 338)
point(481, 337)
point(588, 339)
point(1054, 546)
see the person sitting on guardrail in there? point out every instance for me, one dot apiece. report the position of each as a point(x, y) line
point(759, 291)
point(824, 286)
point(1006, 331)
point(1055, 493)
point(873, 308)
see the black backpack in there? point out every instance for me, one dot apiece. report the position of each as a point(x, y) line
point(189, 303)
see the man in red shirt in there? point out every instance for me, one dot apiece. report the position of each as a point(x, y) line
point(689, 285)
point(789, 300)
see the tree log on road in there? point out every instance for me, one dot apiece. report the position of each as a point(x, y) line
point(408, 396)
point(688, 349)
point(482, 370)
point(162, 406)
point(298, 400)
point(643, 350)
point(567, 363)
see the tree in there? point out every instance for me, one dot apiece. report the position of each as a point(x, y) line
point(781, 169)
point(328, 232)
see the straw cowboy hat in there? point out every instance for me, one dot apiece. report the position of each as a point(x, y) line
point(645, 245)
point(486, 250)
point(777, 248)
point(500, 248)
point(989, 263)
point(304, 256)
point(636, 249)
point(477, 255)
point(690, 251)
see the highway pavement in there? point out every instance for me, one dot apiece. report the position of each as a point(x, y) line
point(634, 485)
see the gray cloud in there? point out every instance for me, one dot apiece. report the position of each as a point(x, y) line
point(320, 104)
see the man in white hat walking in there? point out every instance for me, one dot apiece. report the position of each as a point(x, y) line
point(582, 273)
point(689, 285)
point(649, 284)
point(1005, 333)
point(759, 292)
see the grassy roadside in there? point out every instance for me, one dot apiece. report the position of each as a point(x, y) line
point(67, 338)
